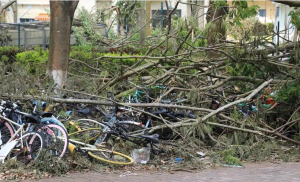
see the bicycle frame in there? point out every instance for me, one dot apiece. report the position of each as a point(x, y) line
point(10, 144)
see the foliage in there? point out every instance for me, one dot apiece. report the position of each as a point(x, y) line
point(251, 27)
point(89, 30)
point(289, 93)
point(33, 59)
point(130, 50)
point(111, 34)
point(241, 11)
point(126, 61)
point(84, 53)
point(295, 18)
point(38, 55)
point(270, 27)
point(127, 10)
point(8, 53)
point(228, 158)
point(4, 36)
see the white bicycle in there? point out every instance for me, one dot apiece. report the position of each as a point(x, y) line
point(19, 144)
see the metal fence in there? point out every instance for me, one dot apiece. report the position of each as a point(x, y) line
point(27, 35)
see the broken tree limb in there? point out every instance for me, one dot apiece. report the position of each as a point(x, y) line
point(2, 8)
point(102, 102)
point(238, 101)
point(218, 110)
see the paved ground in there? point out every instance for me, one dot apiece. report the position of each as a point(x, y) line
point(284, 172)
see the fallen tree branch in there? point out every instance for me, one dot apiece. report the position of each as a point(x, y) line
point(202, 120)
point(2, 8)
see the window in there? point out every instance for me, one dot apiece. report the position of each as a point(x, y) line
point(22, 20)
point(262, 12)
point(157, 16)
point(277, 11)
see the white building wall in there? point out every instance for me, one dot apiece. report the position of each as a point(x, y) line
point(87, 4)
point(32, 8)
point(286, 29)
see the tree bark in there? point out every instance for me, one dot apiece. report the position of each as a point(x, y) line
point(15, 10)
point(148, 17)
point(142, 22)
point(3, 7)
point(217, 30)
point(61, 14)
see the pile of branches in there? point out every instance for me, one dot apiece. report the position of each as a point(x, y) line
point(244, 69)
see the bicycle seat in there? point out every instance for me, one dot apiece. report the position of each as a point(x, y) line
point(153, 138)
point(47, 115)
point(30, 119)
point(84, 111)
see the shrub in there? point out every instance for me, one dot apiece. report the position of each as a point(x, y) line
point(84, 53)
point(38, 55)
point(8, 53)
point(33, 59)
point(270, 27)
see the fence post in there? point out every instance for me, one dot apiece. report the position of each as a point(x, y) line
point(24, 39)
point(44, 38)
point(19, 35)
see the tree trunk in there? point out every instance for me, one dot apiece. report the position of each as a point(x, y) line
point(142, 22)
point(15, 10)
point(148, 17)
point(217, 29)
point(61, 14)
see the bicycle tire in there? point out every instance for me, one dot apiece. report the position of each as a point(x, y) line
point(86, 123)
point(34, 141)
point(39, 146)
point(87, 135)
point(99, 155)
point(56, 139)
point(6, 132)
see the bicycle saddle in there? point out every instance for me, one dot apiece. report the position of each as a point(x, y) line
point(47, 115)
point(84, 111)
point(153, 138)
point(30, 119)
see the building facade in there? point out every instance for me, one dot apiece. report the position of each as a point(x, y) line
point(28, 10)
point(283, 26)
point(266, 11)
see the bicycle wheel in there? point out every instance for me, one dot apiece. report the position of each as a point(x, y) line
point(88, 135)
point(29, 146)
point(56, 139)
point(83, 124)
point(110, 156)
point(6, 132)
